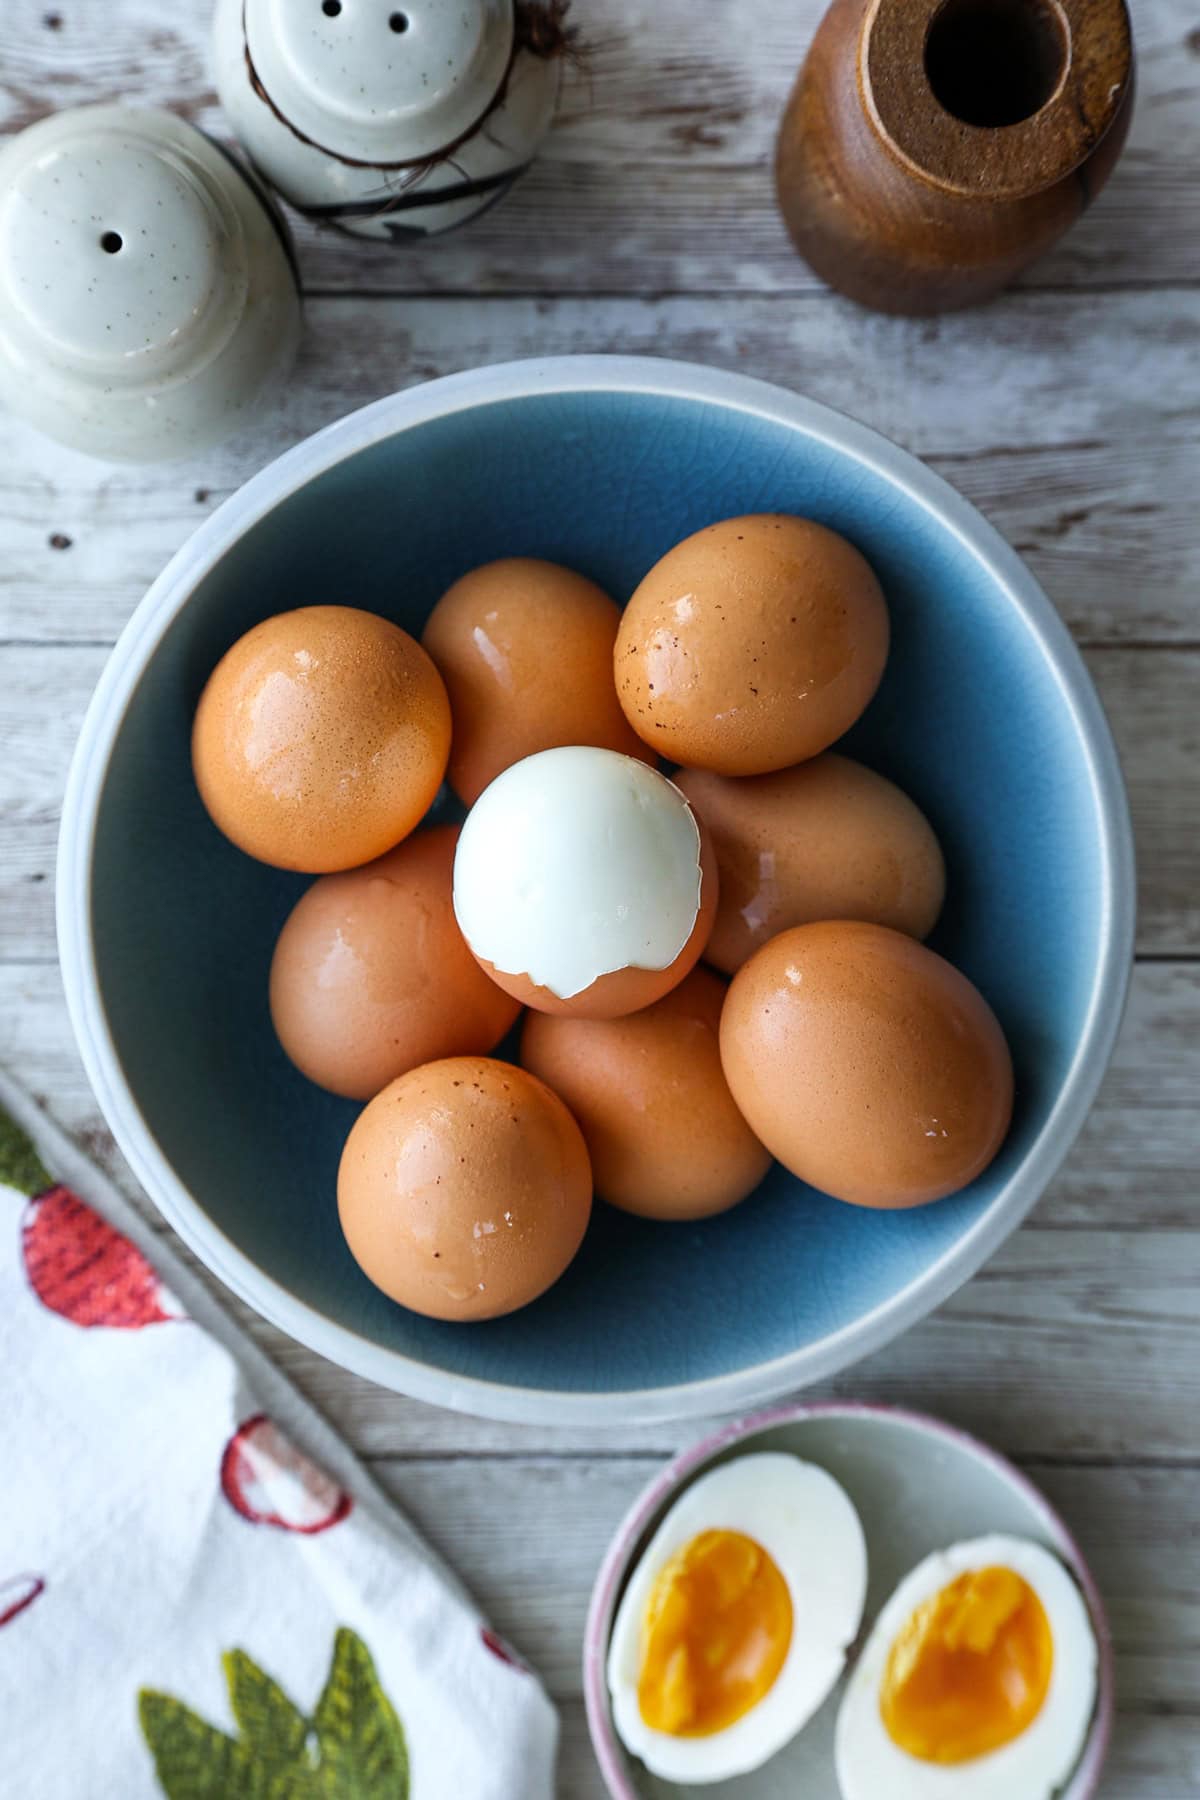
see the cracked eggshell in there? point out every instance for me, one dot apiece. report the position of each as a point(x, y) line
point(464, 1189)
point(584, 883)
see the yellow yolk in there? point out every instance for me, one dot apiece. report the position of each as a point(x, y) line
point(716, 1632)
point(970, 1670)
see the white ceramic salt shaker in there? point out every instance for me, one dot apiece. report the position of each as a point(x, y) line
point(390, 119)
point(148, 301)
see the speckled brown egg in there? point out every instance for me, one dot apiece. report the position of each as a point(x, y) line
point(648, 1092)
point(751, 645)
point(526, 651)
point(371, 975)
point(869, 1066)
point(828, 839)
point(464, 1189)
point(321, 738)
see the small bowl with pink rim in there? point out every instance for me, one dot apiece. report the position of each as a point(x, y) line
point(918, 1486)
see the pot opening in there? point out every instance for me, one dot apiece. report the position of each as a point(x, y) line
point(995, 62)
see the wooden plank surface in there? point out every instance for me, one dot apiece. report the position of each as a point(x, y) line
point(1069, 411)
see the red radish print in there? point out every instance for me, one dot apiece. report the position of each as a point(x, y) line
point(269, 1482)
point(82, 1269)
point(18, 1593)
point(496, 1644)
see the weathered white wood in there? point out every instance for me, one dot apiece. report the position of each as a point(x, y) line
point(1075, 426)
point(1151, 696)
point(658, 176)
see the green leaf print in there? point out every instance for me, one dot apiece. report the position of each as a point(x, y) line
point(192, 1759)
point(362, 1741)
point(270, 1726)
point(20, 1164)
point(352, 1748)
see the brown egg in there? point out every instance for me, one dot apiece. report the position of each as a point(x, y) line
point(321, 738)
point(869, 1066)
point(828, 839)
point(663, 1133)
point(464, 1189)
point(371, 975)
point(752, 645)
point(526, 651)
point(624, 990)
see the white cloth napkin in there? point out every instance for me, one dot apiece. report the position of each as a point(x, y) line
point(189, 1605)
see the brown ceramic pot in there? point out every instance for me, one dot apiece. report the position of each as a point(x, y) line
point(932, 148)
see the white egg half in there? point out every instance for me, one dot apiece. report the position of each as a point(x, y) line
point(806, 1523)
point(576, 863)
point(1034, 1765)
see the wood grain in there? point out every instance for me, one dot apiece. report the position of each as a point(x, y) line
point(671, 122)
point(1092, 479)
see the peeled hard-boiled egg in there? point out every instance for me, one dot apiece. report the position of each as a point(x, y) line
point(321, 738)
point(828, 839)
point(464, 1188)
point(584, 883)
point(735, 1623)
point(978, 1681)
point(665, 1138)
point(371, 976)
point(751, 645)
point(867, 1064)
point(494, 635)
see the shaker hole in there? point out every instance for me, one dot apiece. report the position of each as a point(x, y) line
point(995, 62)
point(331, 8)
point(112, 242)
point(398, 22)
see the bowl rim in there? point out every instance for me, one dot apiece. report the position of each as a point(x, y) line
point(671, 1480)
point(165, 599)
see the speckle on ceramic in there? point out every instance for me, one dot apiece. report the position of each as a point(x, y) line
point(148, 302)
point(350, 109)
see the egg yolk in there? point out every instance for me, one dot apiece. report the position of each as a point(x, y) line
point(970, 1670)
point(716, 1632)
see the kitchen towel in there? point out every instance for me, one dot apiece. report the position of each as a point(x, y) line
point(202, 1593)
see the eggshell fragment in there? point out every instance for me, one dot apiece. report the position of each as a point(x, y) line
point(751, 645)
point(321, 738)
point(868, 1065)
point(828, 839)
point(650, 1097)
point(525, 648)
point(371, 975)
point(464, 1189)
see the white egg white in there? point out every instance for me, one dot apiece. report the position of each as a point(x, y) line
point(1033, 1766)
point(806, 1523)
point(575, 863)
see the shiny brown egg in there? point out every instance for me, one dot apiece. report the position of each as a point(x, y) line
point(371, 975)
point(868, 1065)
point(525, 648)
point(751, 645)
point(321, 738)
point(464, 1189)
point(828, 839)
point(664, 1136)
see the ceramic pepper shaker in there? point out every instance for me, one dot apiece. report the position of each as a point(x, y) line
point(391, 119)
point(933, 148)
point(148, 302)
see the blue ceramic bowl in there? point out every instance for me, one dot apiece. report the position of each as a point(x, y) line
point(985, 716)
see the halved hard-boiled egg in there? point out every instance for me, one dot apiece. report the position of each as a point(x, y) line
point(735, 1623)
point(978, 1681)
